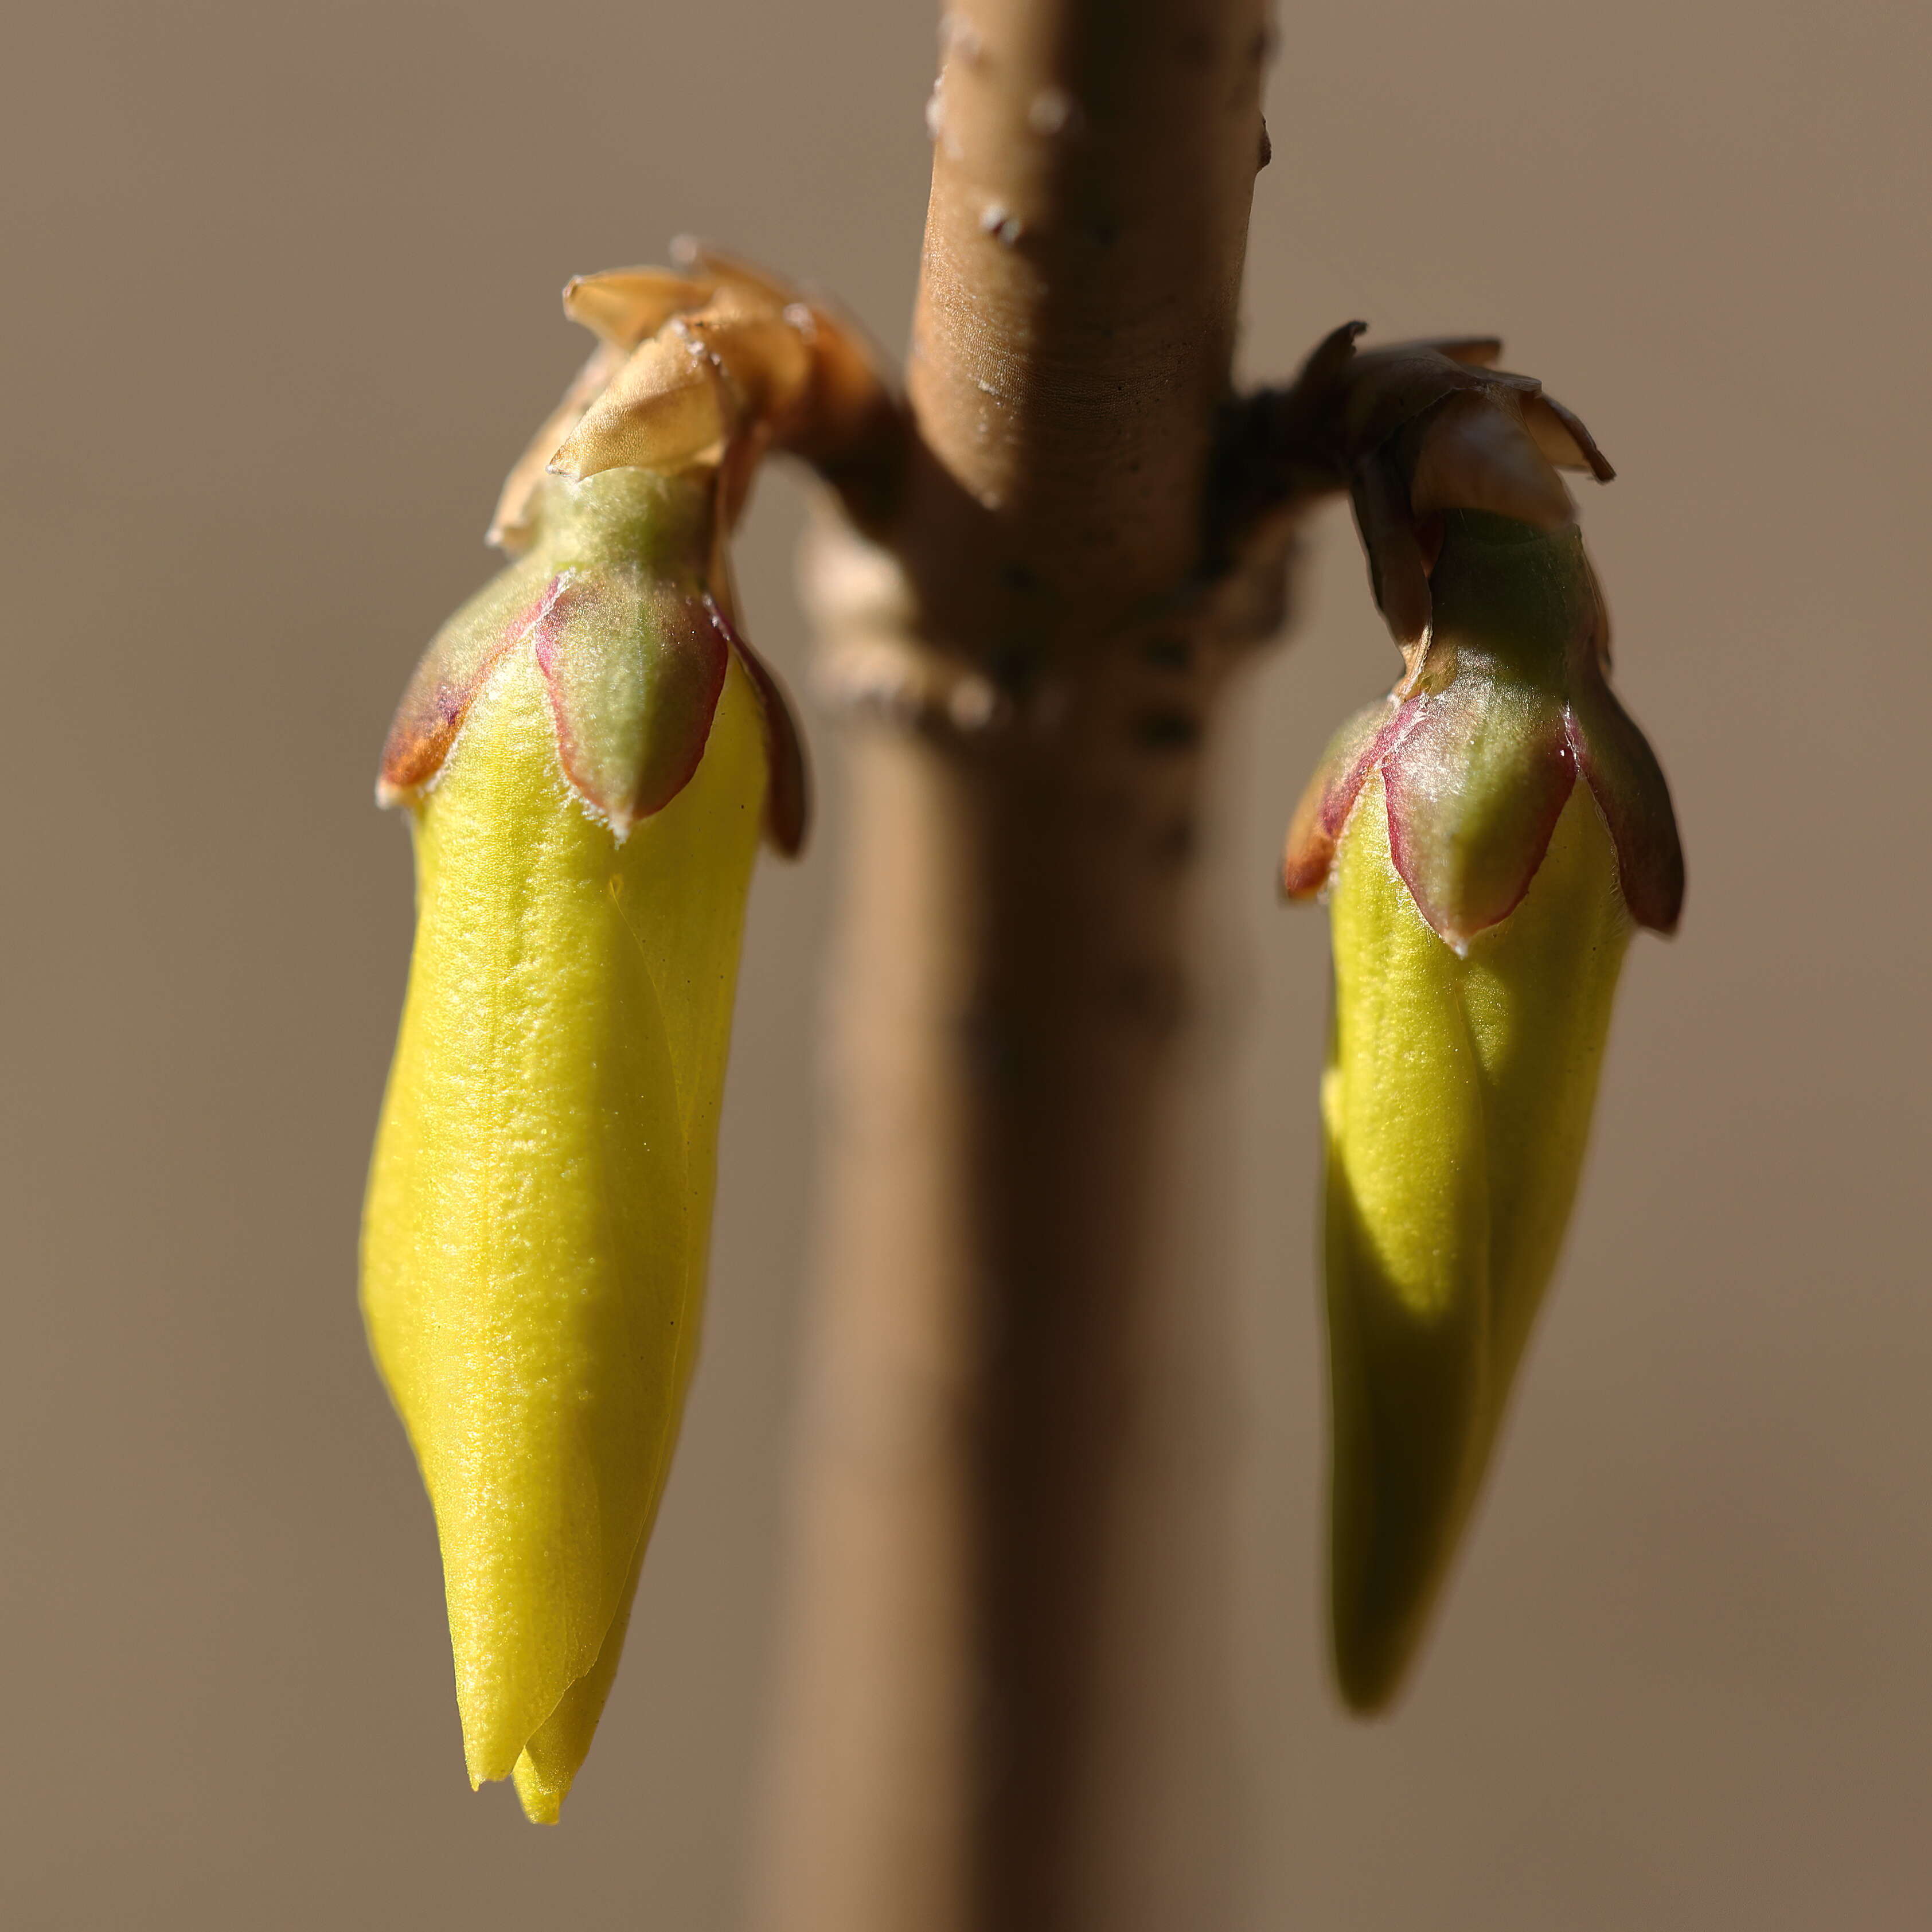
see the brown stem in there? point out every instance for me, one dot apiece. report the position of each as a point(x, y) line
point(1004, 1707)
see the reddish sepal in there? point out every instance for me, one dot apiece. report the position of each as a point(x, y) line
point(788, 783)
point(634, 667)
point(449, 675)
point(1352, 753)
point(1474, 790)
point(1628, 785)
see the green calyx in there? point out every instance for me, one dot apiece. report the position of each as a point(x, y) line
point(1506, 708)
point(615, 594)
point(636, 518)
point(1517, 603)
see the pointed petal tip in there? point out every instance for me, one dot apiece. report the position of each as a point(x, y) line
point(1370, 1676)
point(541, 1796)
point(1380, 1616)
point(489, 1756)
point(496, 1714)
point(542, 1800)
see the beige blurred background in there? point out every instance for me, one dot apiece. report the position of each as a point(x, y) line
point(281, 306)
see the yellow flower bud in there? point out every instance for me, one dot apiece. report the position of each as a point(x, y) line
point(589, 752)
point(535, 1237)
point(534, 1240)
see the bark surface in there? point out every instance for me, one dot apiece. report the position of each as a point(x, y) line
point(1005, 1703)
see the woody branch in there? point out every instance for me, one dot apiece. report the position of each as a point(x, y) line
point(1002, 1700)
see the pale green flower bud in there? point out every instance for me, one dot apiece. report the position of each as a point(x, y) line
point(1488, 837)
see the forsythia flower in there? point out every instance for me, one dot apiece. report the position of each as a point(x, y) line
point(588, 752)
point(1489, 835)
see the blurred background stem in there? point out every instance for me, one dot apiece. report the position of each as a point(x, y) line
point(1005, 1701)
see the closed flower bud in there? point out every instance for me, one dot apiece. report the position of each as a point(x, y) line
point(1488, 837)
point(588, 752)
